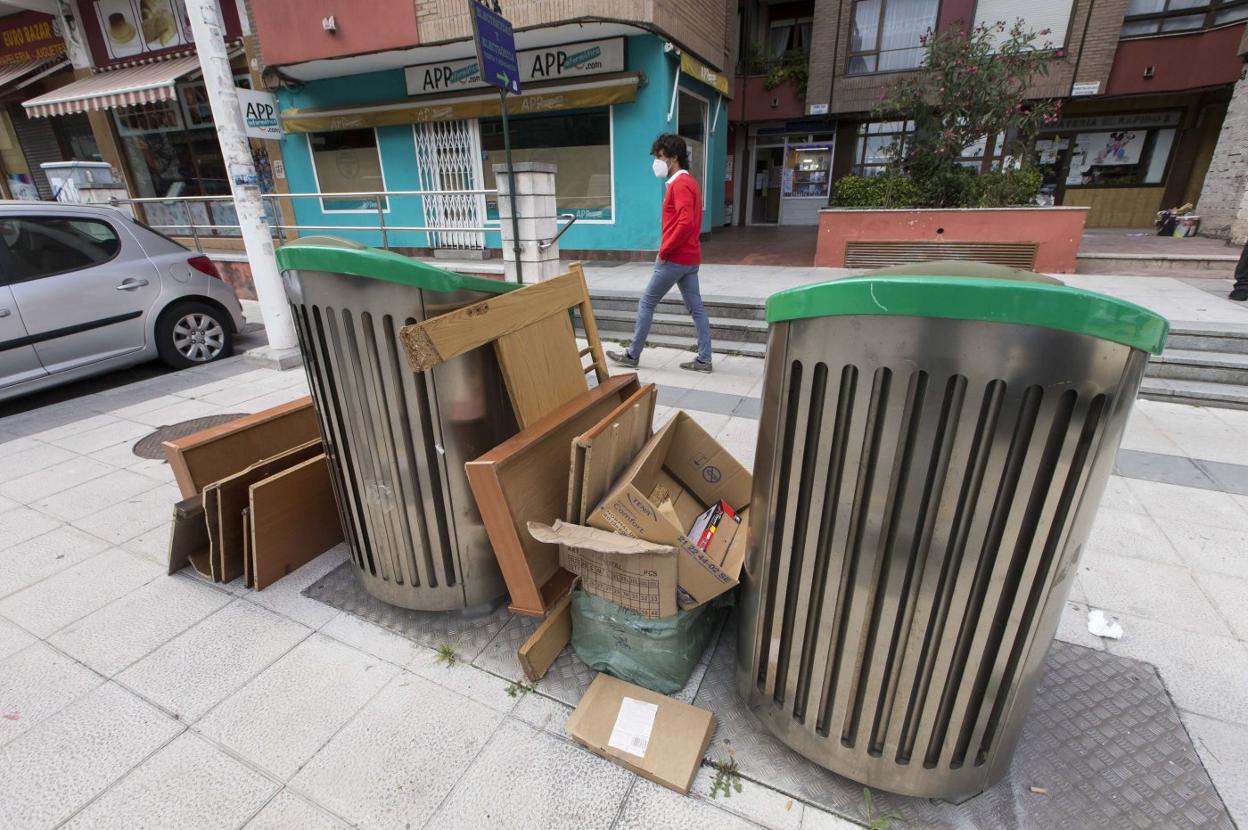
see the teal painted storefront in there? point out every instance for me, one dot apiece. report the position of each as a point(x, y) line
point(637, 194)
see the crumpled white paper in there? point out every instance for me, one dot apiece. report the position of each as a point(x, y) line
point(1103, 625)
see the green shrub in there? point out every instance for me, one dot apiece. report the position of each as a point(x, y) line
point(959, 187)
point(887, 191)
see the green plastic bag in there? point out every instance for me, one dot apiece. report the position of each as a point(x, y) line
point(658, 653)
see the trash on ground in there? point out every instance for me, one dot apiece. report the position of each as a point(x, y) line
point(1103, 625)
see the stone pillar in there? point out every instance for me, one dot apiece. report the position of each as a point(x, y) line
point(1223, 202)
point(535, 211)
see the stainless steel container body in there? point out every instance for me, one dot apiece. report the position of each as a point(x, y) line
point(923, 489)
point(397, 440)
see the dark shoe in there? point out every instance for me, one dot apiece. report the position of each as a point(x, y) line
point(623, 359)
point(1239, 294)
point(696, 366)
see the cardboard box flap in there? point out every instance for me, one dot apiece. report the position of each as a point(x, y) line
point(592, 539)
point(706, 468)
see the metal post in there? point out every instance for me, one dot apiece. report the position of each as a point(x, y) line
point(511, 189)
point(214, 62)
point(381, 224)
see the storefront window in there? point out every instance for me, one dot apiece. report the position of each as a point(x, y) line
point(579, 143)
point(885, 34)
point(1119, 157)
point(873, 143)
point(17, 176)
point(692, 128)
point(806, 170)
point(1151, 17)
point(348, 161)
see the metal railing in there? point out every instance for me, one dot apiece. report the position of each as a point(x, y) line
point(379, 208)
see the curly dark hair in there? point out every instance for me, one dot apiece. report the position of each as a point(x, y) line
point(673, 147)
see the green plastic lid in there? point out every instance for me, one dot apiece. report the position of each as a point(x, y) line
point(970, 298)
point(341, 256)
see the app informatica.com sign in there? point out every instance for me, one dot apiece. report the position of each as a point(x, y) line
point(549, 63)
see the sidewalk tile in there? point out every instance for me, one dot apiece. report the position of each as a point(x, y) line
point(80, 500)
point(527, 778)
point(288, 811)
point(72, 594)
point(57, 767)
point(1118, 496)
point(281, 718)
point(468, 680)
point(651, 807)
point(815, 819)
point(1203, 507)
point(1073, 627)
point(187, 785)
point(371, 639)
point(136, 515)
point(36, 683)
point(197, 670)
point(1205, 549)
point(1166, 593)
point(1230, 597)
point(1223, 749)
point(22, 523)
point(183, 410)
point(152, 545)
point(40, 484)
point(121, 432)
point(540, 711)
point(392, 765)
point(286, 595)
point(129, 629)
point(8, 504)
point(23, 462)
point(1204, 673)
point(755, 802)
point(13, 639)
point(74, 419)
point(1136, 535)
point(26, 563)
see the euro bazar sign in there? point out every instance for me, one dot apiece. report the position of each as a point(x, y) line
point(27, 37)
point(549, 63)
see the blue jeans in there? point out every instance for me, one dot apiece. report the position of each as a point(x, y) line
point(685, 277)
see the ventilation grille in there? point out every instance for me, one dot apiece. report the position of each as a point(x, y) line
point(918, 524)
point(882, 254)
point(388, 474)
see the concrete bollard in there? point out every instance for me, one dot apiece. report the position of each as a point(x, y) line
point(536, 219)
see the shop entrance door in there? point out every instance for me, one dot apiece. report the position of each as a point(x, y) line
point(765, 187)
point(448, 157)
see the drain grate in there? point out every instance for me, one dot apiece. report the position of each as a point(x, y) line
point(149, 446)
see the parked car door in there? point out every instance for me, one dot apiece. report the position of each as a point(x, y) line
point(83, 286)
point(18, 361)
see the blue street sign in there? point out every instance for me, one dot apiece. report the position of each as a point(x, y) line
point(496, 48)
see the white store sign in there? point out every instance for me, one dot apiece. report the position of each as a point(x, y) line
point(550, 63)
point(259, 114)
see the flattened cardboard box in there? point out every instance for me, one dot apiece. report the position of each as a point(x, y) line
point(684, 454)
point(653, 735)
point(632, 573)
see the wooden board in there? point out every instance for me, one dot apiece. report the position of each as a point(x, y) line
point(233, 496)
point(205, 457)
point(602, 452)
point(188, 535)
point(526, 479)
point(545, 644)
point(531, 329)
point(212, 516)
point(294, 519)
point(247, 578)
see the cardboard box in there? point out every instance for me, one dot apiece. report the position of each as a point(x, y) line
point(682, 461)
point(632, 573)
point(651, 734)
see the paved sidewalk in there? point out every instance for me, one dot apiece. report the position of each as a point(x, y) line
point(129, 698)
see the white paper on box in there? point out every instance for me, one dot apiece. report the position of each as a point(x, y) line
point(633, 725)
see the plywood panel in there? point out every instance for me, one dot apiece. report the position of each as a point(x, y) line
point(541, 367)
point(1117, 207)
point(293, 520)
point(602, 452)
point(544, 645)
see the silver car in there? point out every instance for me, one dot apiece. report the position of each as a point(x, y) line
point(86, 289)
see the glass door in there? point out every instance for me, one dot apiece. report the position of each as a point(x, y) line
point(765, 190)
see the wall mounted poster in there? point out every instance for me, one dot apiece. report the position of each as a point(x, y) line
point(133, 28)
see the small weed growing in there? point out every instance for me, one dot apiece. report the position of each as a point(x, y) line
point(727, 778)
point(446, 655)
point(876, 821)
point(519, 688)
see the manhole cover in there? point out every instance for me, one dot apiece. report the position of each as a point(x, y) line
point(149, 446)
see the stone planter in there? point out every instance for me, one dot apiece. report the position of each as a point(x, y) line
point(1044, 239)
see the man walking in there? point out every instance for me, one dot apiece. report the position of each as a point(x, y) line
point(680, 252)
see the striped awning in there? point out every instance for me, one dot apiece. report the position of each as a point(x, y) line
point(14, 72)
point(143, 84)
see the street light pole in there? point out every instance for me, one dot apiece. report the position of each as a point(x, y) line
point(214, 62)
point(511, 184)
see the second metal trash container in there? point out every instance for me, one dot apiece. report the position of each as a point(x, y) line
point(931, 453)
point(397, 440)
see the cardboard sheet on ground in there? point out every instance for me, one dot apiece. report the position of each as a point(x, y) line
point(632, 573)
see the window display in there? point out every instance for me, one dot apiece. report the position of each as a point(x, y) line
point(347, 161)
point(807, 170)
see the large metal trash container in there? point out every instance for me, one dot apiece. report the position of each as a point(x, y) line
point(931, 453)
point(396, 439)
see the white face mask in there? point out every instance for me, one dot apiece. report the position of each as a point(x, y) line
point(659, 166)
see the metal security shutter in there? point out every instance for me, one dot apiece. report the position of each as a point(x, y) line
point(39, 144)
point(448, 157)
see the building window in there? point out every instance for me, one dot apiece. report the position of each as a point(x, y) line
point(885, 35)
point(1053, 15)
point(579, 143)
point(1120, 157)
point(348, 161)
point(691, 126)
point(1152, 17)
point(872, 145)
point(788, 35)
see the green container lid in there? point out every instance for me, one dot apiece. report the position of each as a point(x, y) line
point(341, 256)
point(970, 298)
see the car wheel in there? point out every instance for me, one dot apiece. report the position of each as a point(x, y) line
point(191, 334)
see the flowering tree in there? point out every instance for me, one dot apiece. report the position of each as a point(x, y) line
point(972, 85)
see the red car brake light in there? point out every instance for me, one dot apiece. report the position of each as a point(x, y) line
point(204, 265)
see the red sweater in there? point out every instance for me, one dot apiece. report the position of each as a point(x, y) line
point(682, 221)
